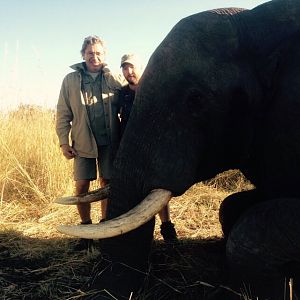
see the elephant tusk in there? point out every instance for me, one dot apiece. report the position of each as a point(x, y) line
point(89, 197)
point(139, 215)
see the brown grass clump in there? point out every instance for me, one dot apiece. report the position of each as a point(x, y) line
point(36, 261)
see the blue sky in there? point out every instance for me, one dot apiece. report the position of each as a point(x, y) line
point(40, 39)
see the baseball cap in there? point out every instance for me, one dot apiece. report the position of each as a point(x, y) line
point(130, 59)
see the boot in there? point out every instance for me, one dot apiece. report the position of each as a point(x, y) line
point(167, 230)
point(83, 244)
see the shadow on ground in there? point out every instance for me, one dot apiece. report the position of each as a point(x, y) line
point(33, 268)
point(48, 269)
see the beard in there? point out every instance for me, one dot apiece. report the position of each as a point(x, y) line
point(132, 80)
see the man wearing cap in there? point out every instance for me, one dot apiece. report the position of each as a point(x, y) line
point(132, 70)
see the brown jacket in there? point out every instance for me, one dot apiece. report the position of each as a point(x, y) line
point(72, 121)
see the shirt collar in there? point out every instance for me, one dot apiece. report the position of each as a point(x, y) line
point(81, 67)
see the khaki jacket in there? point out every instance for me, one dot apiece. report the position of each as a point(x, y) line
point(72, 121)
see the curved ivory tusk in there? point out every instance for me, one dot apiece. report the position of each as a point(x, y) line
point(139, 215)
point(89, 197)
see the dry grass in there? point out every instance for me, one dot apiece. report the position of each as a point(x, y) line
point(36, 261)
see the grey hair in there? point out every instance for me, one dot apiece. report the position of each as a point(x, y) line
point(91, 40)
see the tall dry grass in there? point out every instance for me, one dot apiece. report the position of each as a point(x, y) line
point(33, 173)
point(32, 170)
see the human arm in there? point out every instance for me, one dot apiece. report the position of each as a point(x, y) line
point(64, 117)
point(68, 151)
point(114, 80)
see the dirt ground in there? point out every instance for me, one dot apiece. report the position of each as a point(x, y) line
point(48, 269)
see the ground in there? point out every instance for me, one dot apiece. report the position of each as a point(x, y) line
point(187, 270)
point(37, 262)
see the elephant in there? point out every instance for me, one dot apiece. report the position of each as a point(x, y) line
point(220, 92)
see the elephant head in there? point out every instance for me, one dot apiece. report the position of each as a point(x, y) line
point(200, 109)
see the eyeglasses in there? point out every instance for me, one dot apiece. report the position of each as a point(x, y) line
point(95, 53)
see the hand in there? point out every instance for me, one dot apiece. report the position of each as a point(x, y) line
point(68, 151)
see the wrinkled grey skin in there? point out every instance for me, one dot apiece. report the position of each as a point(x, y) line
point(220, 92)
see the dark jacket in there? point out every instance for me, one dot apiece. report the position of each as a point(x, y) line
point(126, 98)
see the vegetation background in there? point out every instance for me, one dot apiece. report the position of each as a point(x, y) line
point(36, 261)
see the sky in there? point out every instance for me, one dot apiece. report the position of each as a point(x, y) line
point(40, 39)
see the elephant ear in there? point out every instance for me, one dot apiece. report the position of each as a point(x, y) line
point(270, 67)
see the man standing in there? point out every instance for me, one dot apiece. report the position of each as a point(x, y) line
point(132, 71)
point(87, 123)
